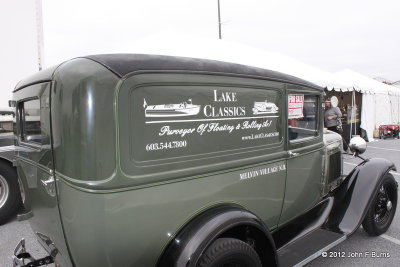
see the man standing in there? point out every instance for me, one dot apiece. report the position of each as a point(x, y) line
point(332, 114)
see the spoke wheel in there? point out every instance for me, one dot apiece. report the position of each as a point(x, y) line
point(381, 212)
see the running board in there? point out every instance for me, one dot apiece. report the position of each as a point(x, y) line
point(309, 247)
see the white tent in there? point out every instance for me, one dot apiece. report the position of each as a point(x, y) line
point(380, 102)
point(174, 44)
point(375, 94)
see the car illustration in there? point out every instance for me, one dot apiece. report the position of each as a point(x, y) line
point(105, 184)
point(264, 107)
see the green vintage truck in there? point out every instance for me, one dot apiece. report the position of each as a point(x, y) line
point(147, 160)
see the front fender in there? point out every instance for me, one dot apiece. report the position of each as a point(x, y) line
point(7, 153)
point(197, 235)
point(354, 196)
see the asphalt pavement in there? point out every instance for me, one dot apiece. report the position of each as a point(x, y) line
point(10, 234)
point(358, 250)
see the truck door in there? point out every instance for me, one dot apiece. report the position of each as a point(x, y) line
point(304, 153)
point(35, 164)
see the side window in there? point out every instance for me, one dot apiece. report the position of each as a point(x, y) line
point(302, 116)
point(30, 121)
point(34, 125)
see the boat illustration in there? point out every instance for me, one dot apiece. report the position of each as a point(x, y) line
point(264, 108)
point(171, 110)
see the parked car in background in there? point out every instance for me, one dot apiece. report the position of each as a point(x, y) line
point(10, 199)
point(392, 130)
point(117, 173)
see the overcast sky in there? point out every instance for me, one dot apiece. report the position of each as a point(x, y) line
point(332, 35)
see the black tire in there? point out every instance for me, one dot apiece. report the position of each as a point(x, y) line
point(10, 198)
point(380, 214)
point(229, 252)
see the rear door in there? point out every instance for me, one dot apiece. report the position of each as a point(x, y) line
point(305, 153)
point(35, 164)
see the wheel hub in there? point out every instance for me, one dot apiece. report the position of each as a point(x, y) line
point(383, 206)
point(389, 205)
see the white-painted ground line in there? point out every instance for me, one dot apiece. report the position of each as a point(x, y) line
point(383, 148)
point(391, 239)
point(353, 164)
point(396, 174)
point(350, 163)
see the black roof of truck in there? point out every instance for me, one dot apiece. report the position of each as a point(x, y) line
point(123, 64)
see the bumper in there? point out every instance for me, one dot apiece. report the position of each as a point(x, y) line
point(22, 258)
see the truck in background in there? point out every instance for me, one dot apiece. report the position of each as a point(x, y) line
point(10, 197)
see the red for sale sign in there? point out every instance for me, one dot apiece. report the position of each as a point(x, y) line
point(295, 106)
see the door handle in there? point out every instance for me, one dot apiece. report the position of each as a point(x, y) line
point(49, 185)
point(49, 181)
point(293, 154)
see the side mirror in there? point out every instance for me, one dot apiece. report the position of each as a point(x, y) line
point(12, 103)
point(357, 145)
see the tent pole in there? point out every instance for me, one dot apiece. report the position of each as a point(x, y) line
point(354, 110)
point(351, 116)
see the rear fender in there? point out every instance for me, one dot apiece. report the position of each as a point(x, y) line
point(193, 239)
point(354, 196)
